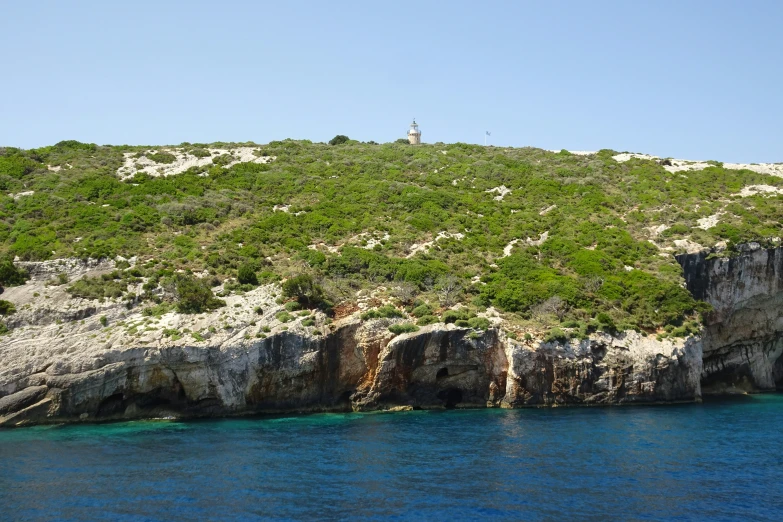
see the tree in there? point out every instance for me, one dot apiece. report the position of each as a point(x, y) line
point(405, 292)
point(448, 288)
point(304, 290)
point(339, 139)
point(555, 305)
point(247, 276)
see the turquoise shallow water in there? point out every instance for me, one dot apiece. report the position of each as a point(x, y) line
point(715, 461)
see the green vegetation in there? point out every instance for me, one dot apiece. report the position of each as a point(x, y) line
point(400, 328)
point(7, 308)
point(388, 311)
point(303, 288)
point(10, 275)
point(195, 296)
point(284, 317)
point(246, 275)
point(162, 157)
point(354, 212)
point(339, 140)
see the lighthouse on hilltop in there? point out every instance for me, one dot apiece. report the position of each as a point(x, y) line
point(414, 134)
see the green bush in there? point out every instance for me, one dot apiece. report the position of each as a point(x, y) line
point(293, 306)
point(162, 157)
point(422, 310)
point(400, 328)
point(195, 296)
point(556, 335)
point(427, 319)
point(479, 323)
point(387, 311)
point(7, 307)
point(97, 288)
point(339, 140)
point(452, 316)
point(104, 321)
point(247, 276)
point(284, 317)
point(304, 290)
point(10, 275)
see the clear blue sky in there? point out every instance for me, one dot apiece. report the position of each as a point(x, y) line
point(689, 79)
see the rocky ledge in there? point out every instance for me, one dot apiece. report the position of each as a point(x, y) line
point(357, 366)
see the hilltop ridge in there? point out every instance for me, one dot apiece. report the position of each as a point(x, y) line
point(580, 241)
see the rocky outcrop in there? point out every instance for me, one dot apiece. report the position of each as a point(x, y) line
point(604, 369)
point(70, 359)
point(743, 337)
point(357, 366)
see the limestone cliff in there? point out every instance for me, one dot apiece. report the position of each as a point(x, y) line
point(742, 339)
point(70, 359)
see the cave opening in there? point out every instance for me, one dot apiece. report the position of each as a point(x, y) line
point(450, 397)
point(111, 405)
point(442, 373)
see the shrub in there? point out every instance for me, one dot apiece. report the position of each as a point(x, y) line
point(422, 310)
point(284, 317)
point(223, 159)
point(304, 290)
point(386, 311)
point(400, 328)
point(339, 140)
point(104, 321)
point(606, 322)
point(451, 316)
point(427, 319)
point(479, 323)
point(195, 296)
point(556, 335)
point(247, 276)
point(7, 307)
point(97, 288)
point(308, 322)
point(293, 306)
point(162, 157)
point(462, 323)
point(10, 275)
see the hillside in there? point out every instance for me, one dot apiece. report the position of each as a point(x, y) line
point(556, 242)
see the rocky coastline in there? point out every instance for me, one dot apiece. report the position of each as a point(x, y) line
point(74, 360)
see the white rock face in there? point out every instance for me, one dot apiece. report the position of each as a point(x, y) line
point(72, 360)
point(603, 370)
point(680, 165)
point(743, 337)
point(135, 163)
point(62, 363)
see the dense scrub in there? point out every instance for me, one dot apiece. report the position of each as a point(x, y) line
point(350, 216)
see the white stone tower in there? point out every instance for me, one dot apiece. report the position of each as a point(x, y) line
point(414, 134)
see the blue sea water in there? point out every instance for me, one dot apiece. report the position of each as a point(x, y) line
point(714, 461)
